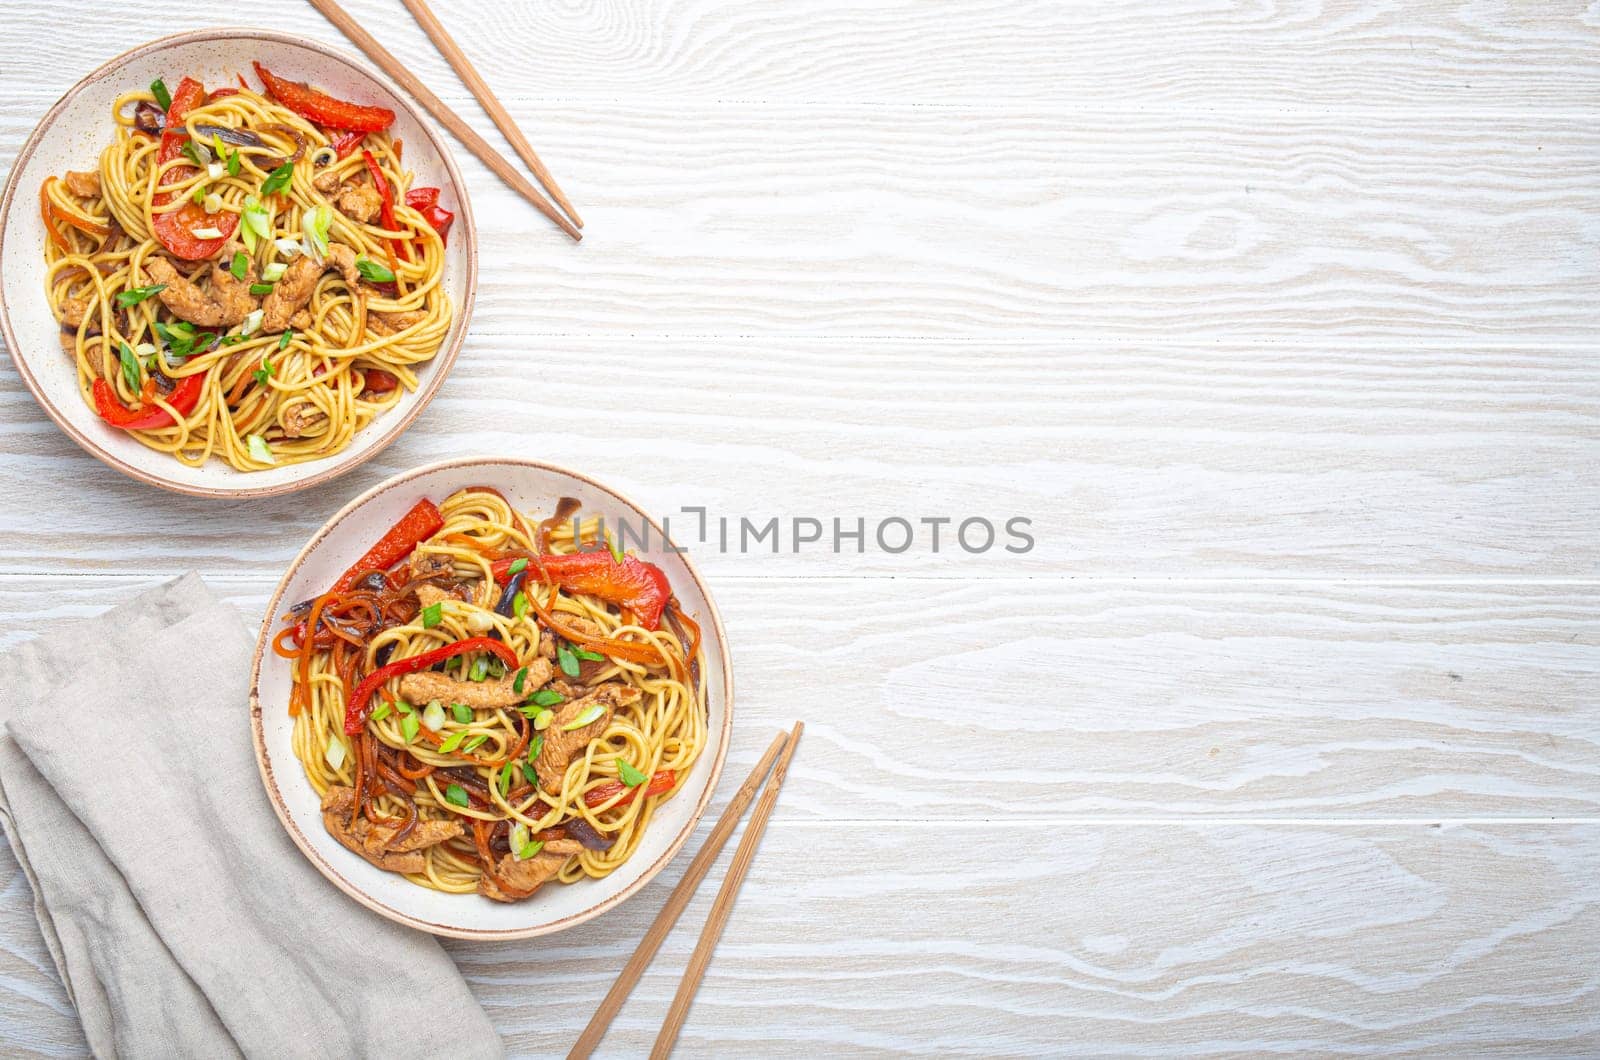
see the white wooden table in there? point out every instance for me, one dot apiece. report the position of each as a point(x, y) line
point(1278, 319)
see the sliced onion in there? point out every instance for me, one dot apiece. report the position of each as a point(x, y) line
point(251, 323)
point(433, 716)
point(289, 248)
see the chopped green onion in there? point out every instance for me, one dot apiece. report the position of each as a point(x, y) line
point(130, 366)
point(542, 720)
point(431, 615)
point(314, 222)
point(198, 195)
point(274, 271)
point(519, 604)
point(212, 202)
point(233, 163)
point(191, 151)
point(207, 232)
point(241, 264)
point(569, 661)
point(616, 548)
point(457, 794)
point(480, 669)
point(530, 850)
point(548, 697)
point(255, 223)
point(372, 272)
point(630, 776)
point(588, 717)
point(518, 681)
point(158, 89)
point(519, 836)
point(591, 656)
point(402, 706)
point(215, 170)
point(285, 339)
point(508, 773)
point(433, 716)
point(135, 295)
point(408, 727)
point(260, 451)
point(452, 741)
point(476, 742)
point(530, 773)
point(462, 713)
point(535, 748)
point(334, 753)
point(252, 321)
point(265, 372)
point(278, 179)
point(261, 288)
point(382, 711)
point(517, 567)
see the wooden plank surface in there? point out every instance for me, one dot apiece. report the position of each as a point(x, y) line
point(1277, 320)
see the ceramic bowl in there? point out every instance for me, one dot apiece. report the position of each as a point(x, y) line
point(530, 487)
point(72, 135)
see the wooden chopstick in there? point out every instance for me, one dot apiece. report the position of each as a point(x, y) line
point(486, 99)
point(676, 902)
point(723, 906)
point(445, 116)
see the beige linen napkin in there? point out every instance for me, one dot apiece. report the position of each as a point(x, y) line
point(181, 917)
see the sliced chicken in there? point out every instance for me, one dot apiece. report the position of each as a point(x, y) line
point(359, 202)
point(522, 878)
point(561, 746)
point(303, 420)
point(83, 184)
point(378, 844)
point(226, 303)
point(291, 293)
point(494, 694)
point(393, 323)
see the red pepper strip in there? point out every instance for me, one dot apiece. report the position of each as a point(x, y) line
point(324, 109)
point(377, 381)
point(663, 782)
point(346, 141)
point(175, 228)
point(184, 397)
point(414, 527)
point(387, 213)
point(426, 202)
point(224, 93)
point(634, 584)
point(355, 715)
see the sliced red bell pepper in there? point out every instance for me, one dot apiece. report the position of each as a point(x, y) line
point(377, 381)
point(661, 783)
point(346, 141)
point(322, 108)
point(414, 527)
point(426, 202)
point(175, 228)
point(355, 715)
point(385, 192)
point(184, 397)
point(640, 587)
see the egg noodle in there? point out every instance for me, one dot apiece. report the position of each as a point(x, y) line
point(475, 766)
point(255, 399)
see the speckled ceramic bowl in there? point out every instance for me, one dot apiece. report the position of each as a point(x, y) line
point(532, 487)
point(72, 135)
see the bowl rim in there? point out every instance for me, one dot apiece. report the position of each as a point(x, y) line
point(269, 779)
point(442, 362)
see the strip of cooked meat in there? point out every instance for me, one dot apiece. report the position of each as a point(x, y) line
point(359, 202)
point(525, 877)
point(327, 181)
point(378, 845)
point(291, 293)
point(83, 184)
point(429, 565)
point(225, 304)
point(302, 420)
point(429, 594)
point(561, 746)
point(479, 695)
point(73, 310)
point(393, 323)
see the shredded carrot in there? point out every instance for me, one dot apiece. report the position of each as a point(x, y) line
point(49, 220)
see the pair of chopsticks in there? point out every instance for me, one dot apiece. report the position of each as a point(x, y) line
point(679, 900)
point(569, 222)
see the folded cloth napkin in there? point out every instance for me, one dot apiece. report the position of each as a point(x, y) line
point(182, 919)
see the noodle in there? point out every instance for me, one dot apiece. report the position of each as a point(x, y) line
point(663, 729)
point(267, 398)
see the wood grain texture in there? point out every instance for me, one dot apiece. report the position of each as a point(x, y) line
point(1277, 319)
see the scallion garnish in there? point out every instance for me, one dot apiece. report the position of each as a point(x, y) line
point(517, 567)
point(476, 742)
point(278, 179)
point(457, 794)
point(588, 717)
point(528, 772)
point(382, 711)
point(241, 264)
point(135, 295)
point(630, 776)
point(273, 271)
point(548, 697)
point(402, 706)
point(432, 614)
point(452, 741)
point(480, 669)
point(507, 773)
point(591, 656)
point(191, 151)
point(285, 339)
point(519, 604)
point(542, 720)
point(334, 753)
point(158, 89)
point(265, 372)
point(433, 716)
point(130, 366)
point(518, 681)
point(372, 272)
point(198, 195)
point(409, 726)
point(233, 163)
point(261, 288)
point(533, 847)
point(461, 712)
point(535, 748)
point(569, 661)
point(260, 451)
